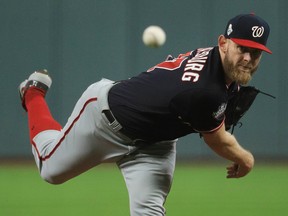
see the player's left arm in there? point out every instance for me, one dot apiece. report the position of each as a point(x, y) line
point(226, 145)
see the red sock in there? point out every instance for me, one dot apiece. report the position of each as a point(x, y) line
point(39, 116)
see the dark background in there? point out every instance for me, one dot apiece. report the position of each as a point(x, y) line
point(81, 41)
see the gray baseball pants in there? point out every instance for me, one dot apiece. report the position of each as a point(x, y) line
point(88, 139)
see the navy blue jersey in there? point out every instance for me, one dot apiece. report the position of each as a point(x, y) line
point(177, 97)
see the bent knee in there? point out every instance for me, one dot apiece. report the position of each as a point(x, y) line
point(54, 179)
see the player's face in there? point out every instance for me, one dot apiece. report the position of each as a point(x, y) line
point(240, 63)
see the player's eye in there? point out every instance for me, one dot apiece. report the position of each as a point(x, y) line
point(255, 53)
point(243, 49)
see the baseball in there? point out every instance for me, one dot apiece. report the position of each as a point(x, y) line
point(154, 36)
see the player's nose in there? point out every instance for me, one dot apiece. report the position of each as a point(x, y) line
point(247, 56)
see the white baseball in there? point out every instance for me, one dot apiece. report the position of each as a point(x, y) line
point(154, 36)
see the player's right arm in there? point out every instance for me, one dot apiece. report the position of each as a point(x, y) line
point(226, 145)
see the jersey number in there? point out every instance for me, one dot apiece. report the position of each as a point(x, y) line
point(192, 68)
point(175, 64)
point(169, 64)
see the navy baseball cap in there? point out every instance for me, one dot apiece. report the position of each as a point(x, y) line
point(248, 30)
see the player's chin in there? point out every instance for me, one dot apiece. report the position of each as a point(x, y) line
point(243, 78)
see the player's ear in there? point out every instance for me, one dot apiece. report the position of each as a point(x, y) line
point(223, 43)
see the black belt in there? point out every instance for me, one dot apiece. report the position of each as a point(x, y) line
point(109, 116)
point(117, 127)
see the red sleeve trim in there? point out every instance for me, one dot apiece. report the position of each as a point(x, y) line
point(213, 130)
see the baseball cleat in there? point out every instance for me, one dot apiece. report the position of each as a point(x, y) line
point(39, 79)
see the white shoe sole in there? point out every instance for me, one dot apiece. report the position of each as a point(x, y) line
point(21, 88)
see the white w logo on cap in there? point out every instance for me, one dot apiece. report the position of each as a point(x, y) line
point(257, 31)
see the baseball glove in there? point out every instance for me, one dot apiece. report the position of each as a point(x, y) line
point(239, 104)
